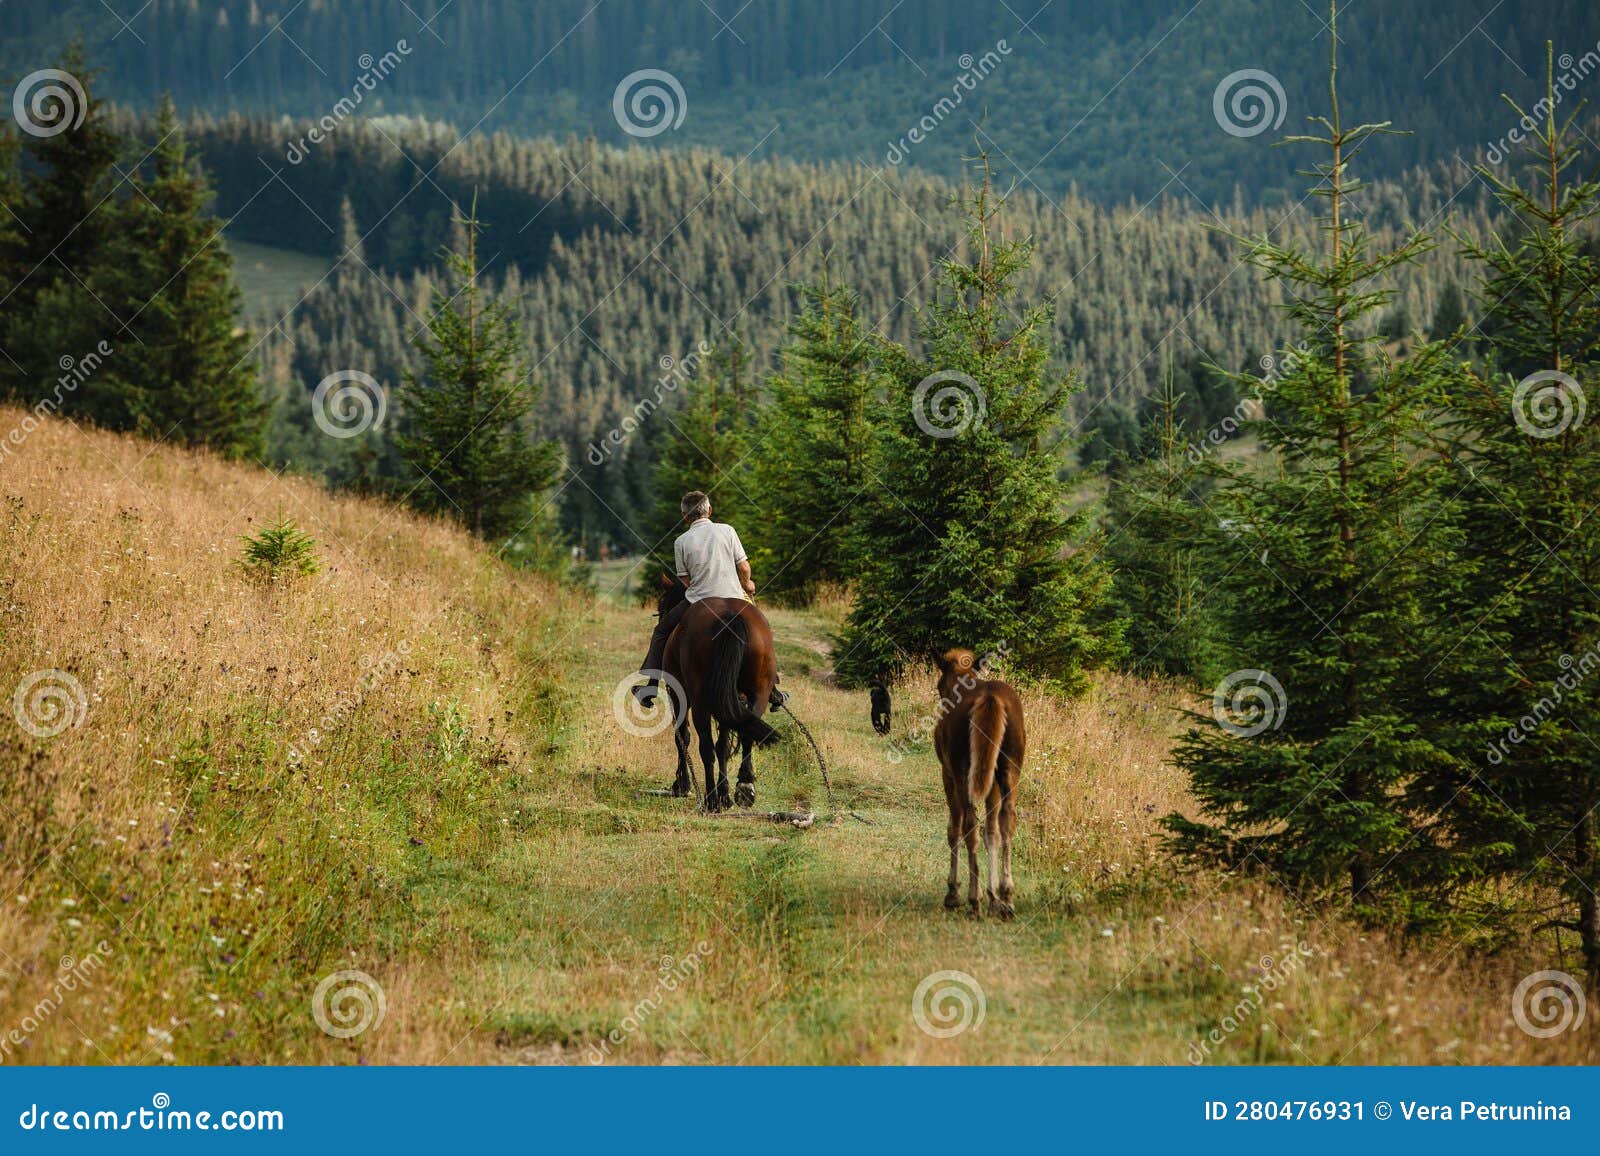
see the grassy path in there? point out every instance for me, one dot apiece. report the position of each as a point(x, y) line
point(625, 926)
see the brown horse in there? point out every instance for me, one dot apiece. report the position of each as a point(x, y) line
point(980, 741)
point(722, 656)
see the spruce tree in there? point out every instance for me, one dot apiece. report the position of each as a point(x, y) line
point(12, 269)
point(1331, 563)
point(704, 444)
point(468, 416)
point(966, 538)
point(815, 438)
point(1154, 517)
point(1523, 683)
point(184, 369)
point(70, 211)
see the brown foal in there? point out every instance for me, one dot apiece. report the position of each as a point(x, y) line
point(980, 741)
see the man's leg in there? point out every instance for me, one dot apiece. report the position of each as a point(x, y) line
point(656, 655)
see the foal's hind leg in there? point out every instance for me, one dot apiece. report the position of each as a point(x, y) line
point(745, 793)
point(969, 824)
point(724, 753)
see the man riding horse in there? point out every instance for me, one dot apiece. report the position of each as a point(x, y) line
point(711, 563)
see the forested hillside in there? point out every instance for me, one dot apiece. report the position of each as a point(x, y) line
point(1113, 99)
point(622, 261)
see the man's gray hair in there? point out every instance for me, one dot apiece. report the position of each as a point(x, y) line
point(695, 504)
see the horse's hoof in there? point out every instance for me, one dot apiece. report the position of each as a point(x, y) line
point(745, 794)
point(1002, 910)
point(680, 790)
point(952, 901)
point(973, 912)
point(712, 805)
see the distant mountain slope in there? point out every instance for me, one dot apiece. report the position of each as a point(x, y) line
point(1115, 100)
point(622, 261)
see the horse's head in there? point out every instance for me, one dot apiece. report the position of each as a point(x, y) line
point(880, 709)
point(673, 592)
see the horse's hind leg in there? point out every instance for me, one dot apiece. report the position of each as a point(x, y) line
point(745, 793)
point(682, 785)
point(708, 758)
point(724, 753)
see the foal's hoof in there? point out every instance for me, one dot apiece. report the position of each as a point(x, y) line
point(745, 794)
point(952, 901)
point(973, 911)
point(1002, 910)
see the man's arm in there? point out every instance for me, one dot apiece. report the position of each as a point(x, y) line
point(743, 566)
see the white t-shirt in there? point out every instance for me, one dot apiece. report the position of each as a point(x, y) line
point(708, 554)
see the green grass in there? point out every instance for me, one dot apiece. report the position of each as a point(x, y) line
point(271, 279)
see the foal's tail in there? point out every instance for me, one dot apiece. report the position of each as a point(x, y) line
point(986, 727)
point(722, 684)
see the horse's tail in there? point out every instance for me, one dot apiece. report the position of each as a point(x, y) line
point(986, 726)
point(722, 684)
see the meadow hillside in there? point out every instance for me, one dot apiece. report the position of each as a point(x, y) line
point(408, 765)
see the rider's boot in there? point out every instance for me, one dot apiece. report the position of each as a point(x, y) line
point(645, 693)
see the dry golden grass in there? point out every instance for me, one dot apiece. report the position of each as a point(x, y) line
point(172, 821)
point(469, 831)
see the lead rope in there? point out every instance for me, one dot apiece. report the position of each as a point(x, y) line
point(822, 763)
